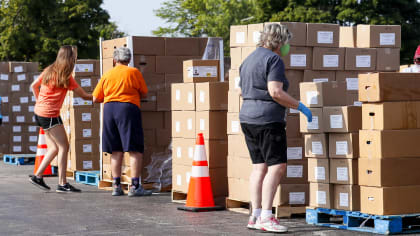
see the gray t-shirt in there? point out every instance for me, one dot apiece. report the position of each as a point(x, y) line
point(258, 107)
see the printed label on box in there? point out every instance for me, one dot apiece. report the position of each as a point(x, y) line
point(317, 148)
point(342, 174)
point(87, 147)
point(87, 165)
point(321, 197)
point(20, 119)
point(235, 126)
point(293, 111)
point(177, 94)
point(312, 97)
point(237, 80)
point(297, 60)
point(32, 129)
point(177, 126)
point(294, 153)
point(18, 69)
point(83, 68)
point(5, 119)
point(202, 96)
point(178, 152)
point(85, 82)
point(24, 99)
point(5, 99)
point(190, 98)
point(15, 87)
point(17, 139)
point(296, 198)
point(319, 173)
point(4, 77)
point(314, 123)
point(80, 102)
point(202, 124)
point(341, 148)
point(21, 77)
point(363, 61)
point(256, 36)
point(240, 37)
point(190, 152)
point(33, 119)
point(33, 148)
point(189, 124)
point(86, 116)
point(178, 180)
point(294, 171)
point(87, 133)
point(33, 139)
point(387, 39)
point(330, 61)
point(16, 108)
point(17, 148)
point(325, 37)
point(357, 103)
point(320, 80)
point(336, 121)
point(36, 77)
point(344, 199)
point(202, 71)
point(352, 83)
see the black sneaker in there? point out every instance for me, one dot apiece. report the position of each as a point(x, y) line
point(117, 190)
point(67, 188)
point(39, 182)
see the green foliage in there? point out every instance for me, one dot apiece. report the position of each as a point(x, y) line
point(34, 30)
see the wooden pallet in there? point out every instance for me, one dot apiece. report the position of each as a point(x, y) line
point(106, 184)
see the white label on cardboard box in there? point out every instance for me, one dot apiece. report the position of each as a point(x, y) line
point(363, 61)
point(16, 108)
point(33, 119)
point(177, 94)
point(357, 103)
point(24, 99)
point(33, 148)
point(387, 39)
point(330, 61)
point(17, 148)
point(202, 124)
point(297, 60)
point(83, 68)
point(86, 116)
point(18, 69)
point(17, 138)
point(178, 180)
point(15, 87)
point(85, 82)
point(256, 36)
point(21, 77)
point(336, 121)
point(4, 77)
point(321, 197)
point(20, 119)
point(32, 129)
point(293, 111)
point(87, 133)
point(87, 165)
point(294, 171)
point(342, 174)
point(202, 71)
point(5, 119)
point(297, 198)
point(320, 80)
point(312, 97)
point(325, 37)
point(36, 77)
point(5, 99)
point(190, 98)
point(80, 102)
point(33, 139)
point(237, 80)
point(319, 173)
point(178, 152)
point(235, 124)
point(177, 126)
point(314, 123)
point(33, 99)
point(341, 148)
point(202, 96)
point(87, 147)
point(189, 124)
point(240, 37)
point(352, 83)
point(190, 152)
point(317, 148)
point(344, 199)
point(294, 153)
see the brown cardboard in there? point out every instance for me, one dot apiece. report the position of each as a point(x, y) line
point(234, 80)
point(238, 35)
point(293, 127)
point(173, 78)
point(344, 145)
point(343, 171)
point(183, 124)
point(353, 99)
point(20, 78)
point(298, 30)
point(323, 94)
point(107, 64)
point(321, 195)
point(381, 87)
point(216, 151)
point(164, 101)
point(343, 119)
point(87, 83)
point(84, 154)
point(390, 200)
point(317, 124)
point(155, 82)
point(318, 170)
point(246, 51)
point(212, 96)
point(183, 97)
point(201, 71)
point(86, 67)
point(150, 102)
point(180, 177)
point(172, 64)
point(347, 197)
point(235, 58)
point(294, 77)
point(254, 33)
point(348, 37)
point(389, 143)
point(350, 77)
point(388, 59)
point(293, 195)
point(323, 35)
point(296, 172)
point(153, 46)
point(234, 101)
point(167, 120)
point(5, 78)
point(239, 167)
point(152, 119)
point(182, 47)
point(164, 137)
point(299, 58)
point(108, 46)
point(85, 123)
point(239, 189)
point(295, 149)
point(328, 58)
point(145, 64)
point(316, 145)
point(363, 59)
point(149, 137)
point(378, 36)
point(4, 67)
point(211, 124)
point(233, 124)
point(318, 76)
point(237, 146)
point(202, 44)
point(17, 67)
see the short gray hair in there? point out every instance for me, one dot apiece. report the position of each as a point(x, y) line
point(274, 35)
point(122, 54)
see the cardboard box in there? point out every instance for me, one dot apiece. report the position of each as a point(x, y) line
point(202, 45)
point(316, 145)
point(296, 172)
point(182, 47)
point(239, 189)
point(238, 35)
point(212, 96)
point(293, 195)
point(293, 127)
point(107, 65)
point(201, 71)
point(347, 197)
point(181, 177)
point(343, 171)
point(5, 77)
point(348, 37)
point(246, 51)
point(183, 97)
point(295, 149)
point(321, 195)
point(298, 30)
point(328, 58)
point(254, 33)
point(183, 124)
point(87, 83)
point(84, 154)
point(235, 58)
point(153, 120)
point(20, 78)
point(216, 151)
point(344, 145)
point(211, 124)
point(378, 36)
point(390, 200)
point(234, 80)
point(323, 94)
point(343, 119)
point(108, 46)
point(150, 102)
point(388, 59)
point(149, 137)
point(233, 124)
point(381, 87)
point(234, 101)
point(350, 77)
point(353, 99)
point(318, 170)
point(17, 67)
point(85, 123)
point(155, 82)
point(323, 35)
point(294, 77)
point(363, 59)
point(145, 64)
point(4, 67)
point(164, 99)
point(318, 76)
point(389, 143)
point(172, 64)
point(167, 120)
point(239, 167)
point(237, 146)
point(299, 58)
point(317, 124)
point(173, 78)
point(87, 67)
point(153, 46)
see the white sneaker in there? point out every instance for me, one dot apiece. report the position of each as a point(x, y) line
point(252, 222)
point(271, 225)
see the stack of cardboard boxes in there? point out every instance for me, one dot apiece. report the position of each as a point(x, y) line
point(19, 134)
point(199, 105)
point(389, 149)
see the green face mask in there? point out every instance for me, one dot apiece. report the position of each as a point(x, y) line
point(284, 50)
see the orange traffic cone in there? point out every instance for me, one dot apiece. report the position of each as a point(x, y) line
point(40, 153)
point(200, 193)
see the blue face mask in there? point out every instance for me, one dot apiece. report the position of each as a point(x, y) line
point(284, 50)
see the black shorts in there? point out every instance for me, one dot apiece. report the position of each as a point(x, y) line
point(47, 123)
point(266, 143)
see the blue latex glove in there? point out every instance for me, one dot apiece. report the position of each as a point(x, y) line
point(302, 108)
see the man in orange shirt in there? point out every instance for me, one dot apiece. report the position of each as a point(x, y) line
point(121, 89)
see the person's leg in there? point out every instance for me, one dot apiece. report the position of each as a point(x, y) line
point(116, 163)
point(136, 162)
point(52, 151)
point(271, 183)
point(58, 135)
point(256, 182)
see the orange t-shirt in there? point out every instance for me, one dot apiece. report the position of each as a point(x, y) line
point(121, 84)
point(51, 98)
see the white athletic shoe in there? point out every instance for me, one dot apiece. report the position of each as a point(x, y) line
point(252, 223)
point(271, 225)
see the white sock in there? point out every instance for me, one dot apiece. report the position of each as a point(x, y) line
point(256, 212)
point(266, 214)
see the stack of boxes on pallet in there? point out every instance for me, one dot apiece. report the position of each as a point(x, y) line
point(389, 148)
point(199, 105)
point(19, 134)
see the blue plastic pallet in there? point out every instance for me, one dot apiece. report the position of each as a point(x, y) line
point(88, 177)
point(357, 221)
point(19, 159)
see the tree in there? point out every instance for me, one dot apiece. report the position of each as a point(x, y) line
point(34, 30)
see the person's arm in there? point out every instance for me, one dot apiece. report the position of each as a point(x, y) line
point(82, 93)
point(98, 93)
point(35, 86)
